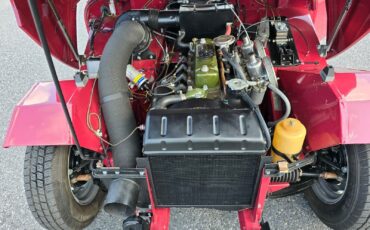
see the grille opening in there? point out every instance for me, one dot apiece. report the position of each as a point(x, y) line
point(219, 181)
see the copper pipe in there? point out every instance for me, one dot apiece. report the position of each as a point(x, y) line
point(222, 72)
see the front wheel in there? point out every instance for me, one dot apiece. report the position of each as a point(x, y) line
point(344, 204)
point(57, 199)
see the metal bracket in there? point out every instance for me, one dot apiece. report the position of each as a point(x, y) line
point(239, 84)
point(81, 79)
point(327, 74)
point(323, 50)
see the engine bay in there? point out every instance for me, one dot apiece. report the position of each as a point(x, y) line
point(183, 59)
point(195, 90)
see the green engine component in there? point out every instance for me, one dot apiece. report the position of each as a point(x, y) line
point(197, 93)
point(206, 67)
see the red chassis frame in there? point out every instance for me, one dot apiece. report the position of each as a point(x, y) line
point(333, 112)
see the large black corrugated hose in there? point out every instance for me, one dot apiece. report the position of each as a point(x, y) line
point(114, 94)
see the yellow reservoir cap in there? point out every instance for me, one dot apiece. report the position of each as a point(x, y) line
point(288, 138)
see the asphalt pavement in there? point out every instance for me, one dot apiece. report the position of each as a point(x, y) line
point(22, 64)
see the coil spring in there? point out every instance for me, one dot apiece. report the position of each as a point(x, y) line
point(293, 176)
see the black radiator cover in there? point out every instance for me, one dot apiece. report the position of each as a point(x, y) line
point(204, 157)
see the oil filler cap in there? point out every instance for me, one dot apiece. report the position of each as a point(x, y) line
point(224, 40)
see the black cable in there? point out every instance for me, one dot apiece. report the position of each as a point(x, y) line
point(96, 27)
point(40, 31)
point(255, 108)
point(236, 66)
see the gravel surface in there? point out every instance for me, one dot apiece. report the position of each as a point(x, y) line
point(22, 64)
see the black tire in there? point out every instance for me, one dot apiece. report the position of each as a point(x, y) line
point(48, 190)
point(352, 210)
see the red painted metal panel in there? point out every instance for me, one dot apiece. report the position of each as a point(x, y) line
point(355, 26)
point(160, 216)
point(57, 43)
point(333, 113)
point(319, 18)
point(38, 118)
point(249, 219)
point(274, 186)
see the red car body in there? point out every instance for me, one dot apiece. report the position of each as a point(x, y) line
point(334, 112)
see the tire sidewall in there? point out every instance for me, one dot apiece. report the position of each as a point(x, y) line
point(344, 213)
point(75, 215)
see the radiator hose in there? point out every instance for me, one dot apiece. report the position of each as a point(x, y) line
point(113, 90)
point(259, 116)
point(286, 101)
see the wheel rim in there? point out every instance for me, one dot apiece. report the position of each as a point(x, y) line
point(83, 192)
point(332, 191)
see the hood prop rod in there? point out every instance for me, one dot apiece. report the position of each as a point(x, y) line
point(324, 49)
point(40, 31)
point(64, 31)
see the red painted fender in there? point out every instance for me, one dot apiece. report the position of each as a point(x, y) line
point(38, 119)
point(334, 112)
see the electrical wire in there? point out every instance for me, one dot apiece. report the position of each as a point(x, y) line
point(172, 71)
point(98, 131)
point(254, 24)
point(267, 6)
point(162, 94)
point(165, 55)
point(163, 35)
point(240, 21)
point(96, 26)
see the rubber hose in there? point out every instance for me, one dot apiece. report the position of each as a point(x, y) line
point(261, 121)
point(237, 67)
point(154, 19)
point(114, 94)
point(166, 101)
point(180, 43)
point(286, 101)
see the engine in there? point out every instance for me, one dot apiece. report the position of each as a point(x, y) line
point(204, 142)
point(196, 79)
